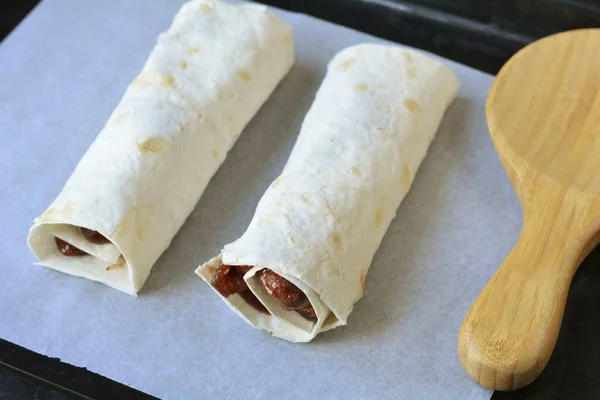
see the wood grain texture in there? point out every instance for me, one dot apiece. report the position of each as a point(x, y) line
point(574, 368)
point(543, 112)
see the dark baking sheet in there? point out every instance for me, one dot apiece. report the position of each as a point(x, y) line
point(482, 34)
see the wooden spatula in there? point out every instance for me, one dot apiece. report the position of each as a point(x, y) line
point(543, 112)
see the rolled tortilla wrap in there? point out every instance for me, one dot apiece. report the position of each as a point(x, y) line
point(320, 222)
point(205, 79)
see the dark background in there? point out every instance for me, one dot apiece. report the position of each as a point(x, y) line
point(479, 33)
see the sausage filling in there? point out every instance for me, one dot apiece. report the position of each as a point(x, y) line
point(288, 294)
point(229, 279)
point(93, 236)
point(69, 250)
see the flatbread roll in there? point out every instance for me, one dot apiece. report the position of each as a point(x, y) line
point(205, 79)
point(302, 263)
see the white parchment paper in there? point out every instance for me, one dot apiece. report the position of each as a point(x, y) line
point(63, 70)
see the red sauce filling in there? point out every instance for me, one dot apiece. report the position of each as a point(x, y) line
point(229, 279)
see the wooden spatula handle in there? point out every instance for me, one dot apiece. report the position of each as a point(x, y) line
point(508, 335)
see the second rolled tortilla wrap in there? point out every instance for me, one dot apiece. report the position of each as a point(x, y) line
point(205, 79)
point(320, 222)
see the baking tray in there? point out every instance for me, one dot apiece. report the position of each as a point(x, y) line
point(482, 35)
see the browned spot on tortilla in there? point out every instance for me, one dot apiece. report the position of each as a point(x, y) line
point(245, 76)
point(212, 269)
point(361, 87)
point(361, 284)
point(292, 239)
point(411, 71)
point(277, 181)
point(411, 105)
point(346, 64)
point(356, 171)
point(215, 154)
point(143, 80)
point(193, 49)
point(167, 80)
point(361, 49)
point(205, 8)
point(66, 211)
point(363, 277)
point(407, 55)
point(154, 145)
point(119, 264)
point(406, 177)
point(382, 86)
point(379, 214)
point(183, 64)
point(229, 118)
point(287, 38)
point(119, 118)
point(336, 239)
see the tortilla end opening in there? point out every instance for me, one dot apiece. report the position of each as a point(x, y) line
point(41, 241)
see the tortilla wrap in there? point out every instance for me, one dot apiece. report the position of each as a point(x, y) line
point(205, 79)
point(320, 222)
